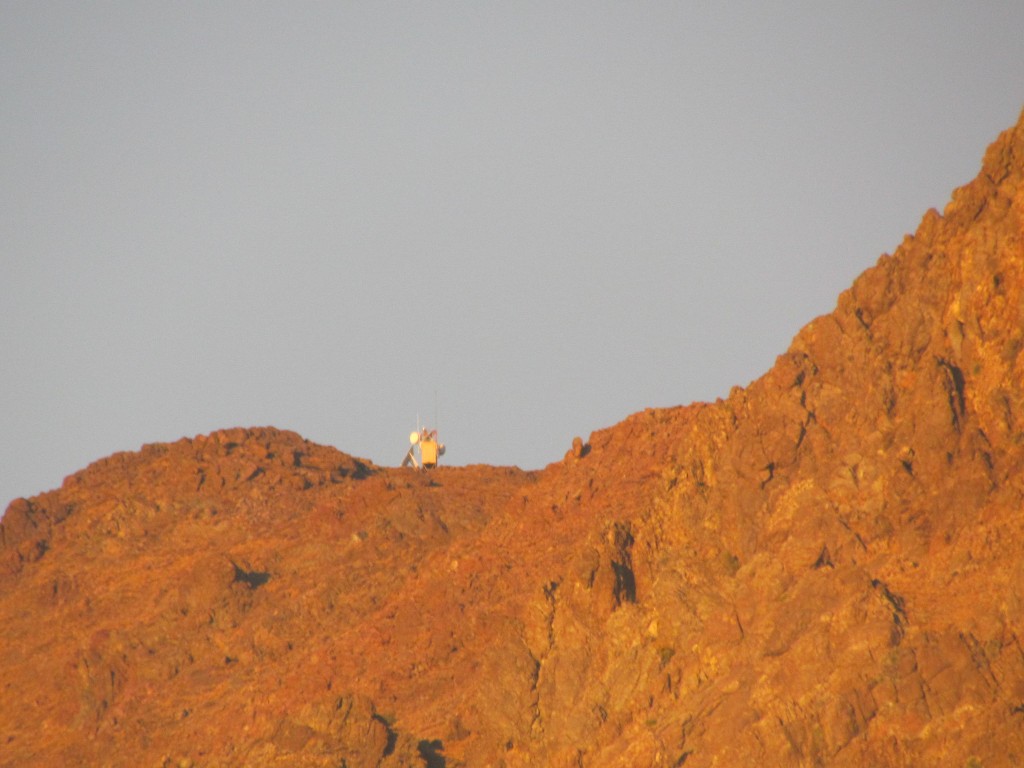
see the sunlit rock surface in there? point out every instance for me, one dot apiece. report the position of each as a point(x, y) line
point(823, 569)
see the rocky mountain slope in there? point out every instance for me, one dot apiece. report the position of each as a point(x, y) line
point(822, 569)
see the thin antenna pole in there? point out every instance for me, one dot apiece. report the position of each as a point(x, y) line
point(437, 421)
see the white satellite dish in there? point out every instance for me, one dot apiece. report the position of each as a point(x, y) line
point(414, 437)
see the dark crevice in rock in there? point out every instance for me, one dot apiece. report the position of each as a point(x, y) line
point(252, 579)
point(392, 735)
point(622, 565)
point(860, 314)
point(824, 560)
point(358, 471)
point(899, 613)
point(803, 430)
point(432, 753)
point(955, 384)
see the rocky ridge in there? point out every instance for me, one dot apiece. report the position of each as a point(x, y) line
point(820, 569)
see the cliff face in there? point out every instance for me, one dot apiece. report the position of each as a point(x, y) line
point(822, 569)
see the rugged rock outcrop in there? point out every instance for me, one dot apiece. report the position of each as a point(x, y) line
point(821, 569)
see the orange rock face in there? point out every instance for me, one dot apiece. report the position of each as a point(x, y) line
point(823, 569)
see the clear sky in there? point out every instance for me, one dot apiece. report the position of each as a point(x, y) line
point(524, 219)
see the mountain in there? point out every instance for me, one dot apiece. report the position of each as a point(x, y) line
point(821, 569)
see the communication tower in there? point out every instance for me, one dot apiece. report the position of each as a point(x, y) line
point(430, 449)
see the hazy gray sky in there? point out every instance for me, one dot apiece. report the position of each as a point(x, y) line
point(317, 215)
